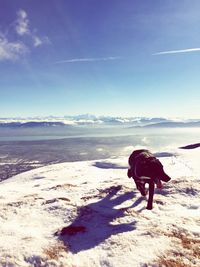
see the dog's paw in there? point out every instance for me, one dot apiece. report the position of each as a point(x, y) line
point(144, 192)
point(149, 207)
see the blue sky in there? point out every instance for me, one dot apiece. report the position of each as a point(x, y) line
point(120, 58)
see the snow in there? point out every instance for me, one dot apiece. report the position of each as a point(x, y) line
point(90, 119)
point(97, 201)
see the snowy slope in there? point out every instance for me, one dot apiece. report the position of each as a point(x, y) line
point(85, 214)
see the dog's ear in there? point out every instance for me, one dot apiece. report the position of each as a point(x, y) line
point(159, 171)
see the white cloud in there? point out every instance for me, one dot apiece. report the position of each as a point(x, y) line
point(75, 60)
point(37, 41)
point(14, 50)
point(189, 50)
point(22, 23)
point(11, 50)
point(23, 28)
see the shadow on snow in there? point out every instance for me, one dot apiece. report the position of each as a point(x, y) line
point(96, 222)
point(107, 165)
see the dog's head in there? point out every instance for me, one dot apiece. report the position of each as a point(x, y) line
point(157, 171)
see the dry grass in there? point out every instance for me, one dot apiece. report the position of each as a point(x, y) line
point(54, 252)
point(85, 198)
point(64, 199)
point(62, 186)
point(53, 200)
point(188, 242)
point(31, 196)
point(165, 262)
point(190, 250)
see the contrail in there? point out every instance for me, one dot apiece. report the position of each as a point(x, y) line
point(189, 50)
point(75, 60)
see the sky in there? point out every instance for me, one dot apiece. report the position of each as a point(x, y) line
point(120, 58)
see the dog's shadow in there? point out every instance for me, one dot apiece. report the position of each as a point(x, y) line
point(96, 222)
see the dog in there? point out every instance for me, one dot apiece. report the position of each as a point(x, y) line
point(144, 168)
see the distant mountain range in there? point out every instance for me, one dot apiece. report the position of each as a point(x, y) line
point(171, 124)
point(88, 119)
point(31, 124)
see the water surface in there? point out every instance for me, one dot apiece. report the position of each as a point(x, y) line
point(24, 149)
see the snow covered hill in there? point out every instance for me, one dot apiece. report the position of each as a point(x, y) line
point(85, 214)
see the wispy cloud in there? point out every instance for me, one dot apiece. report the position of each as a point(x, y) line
point(15, 50)
point(23, 28)
point(38, 40)
point(11, 50)
point(75, 60)
point(189, 50)
point(22, 23)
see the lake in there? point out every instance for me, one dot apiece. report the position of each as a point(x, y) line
point(23, 149)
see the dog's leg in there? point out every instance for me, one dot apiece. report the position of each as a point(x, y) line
point(141, 187)
point(151, 193)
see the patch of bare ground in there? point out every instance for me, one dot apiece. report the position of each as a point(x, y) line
point(28, 199)
point(167, 262)
point(85, 198)
point(56, 251)
point(61, 186)
point(189, 243)
point(31, 196)
point(64, 198)
point(186, 255)
point(53, 200)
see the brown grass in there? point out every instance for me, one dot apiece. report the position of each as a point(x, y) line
point(189, 243)
point(64, 199)
point(53, 200)
point(54, 252)
point(164, 262)
point(85, 198)
point(190, 246)
point(62, 186)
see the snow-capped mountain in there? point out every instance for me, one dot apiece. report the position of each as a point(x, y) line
point(88, 119)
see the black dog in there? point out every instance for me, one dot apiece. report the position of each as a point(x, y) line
point(146, 168)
